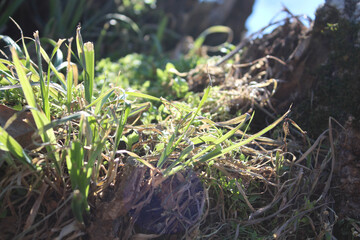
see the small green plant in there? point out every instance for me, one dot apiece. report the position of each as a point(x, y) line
point(87, 131)
point(146, 74)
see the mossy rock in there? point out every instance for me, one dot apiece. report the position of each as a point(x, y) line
point(336, 88)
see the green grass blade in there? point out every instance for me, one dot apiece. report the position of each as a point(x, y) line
point(27, 56)
point(203, 139)
point(170, 146)
point(203, 100)
point(75, 165)
point(69, 81)
point(139, 109)
point(214, 154)
point(224, 137)
point(182, 156)
point(13, 44)
point(167, 151)
point(39, 117)
point(121, 124)
point(74, 162)
point(131, 154)
point(28, 92)
point(101, 99)
point(44, 91)
point(59, 57)
point(52, 67)
point(86, 55)
point(62, 120)
point(89, 54)
point(101, 103)
point(80, 47)
point(55, 53)
point(69, 78)
point(143, 95)
point(8, 143)
point(177, 168)
point(98, 148)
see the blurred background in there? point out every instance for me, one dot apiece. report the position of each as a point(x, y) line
point(264, 11)
point(119, 27)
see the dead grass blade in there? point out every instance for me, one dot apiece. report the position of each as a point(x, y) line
point(35, 208)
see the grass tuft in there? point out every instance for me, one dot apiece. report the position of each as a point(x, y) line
point(109, 153)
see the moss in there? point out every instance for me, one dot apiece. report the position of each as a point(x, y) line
point(337, 89)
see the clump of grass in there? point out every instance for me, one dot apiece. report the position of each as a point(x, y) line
point(91, 153)
point(74, 142)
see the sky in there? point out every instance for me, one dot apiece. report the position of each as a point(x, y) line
point(265, 10)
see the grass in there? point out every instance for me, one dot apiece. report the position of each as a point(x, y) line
point(226, 182)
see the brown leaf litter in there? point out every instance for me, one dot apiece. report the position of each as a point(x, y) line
point(20, 125)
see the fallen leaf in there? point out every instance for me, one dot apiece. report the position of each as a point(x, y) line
point(20, 125)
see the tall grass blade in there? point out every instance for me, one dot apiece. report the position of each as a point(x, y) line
point(44, 91)
point(25, 84)
point(39, 117)
point(86, 55)
point(89, 54)
point(80, 47)
point(69, 78)
point(78, 174)
point(27, 56)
